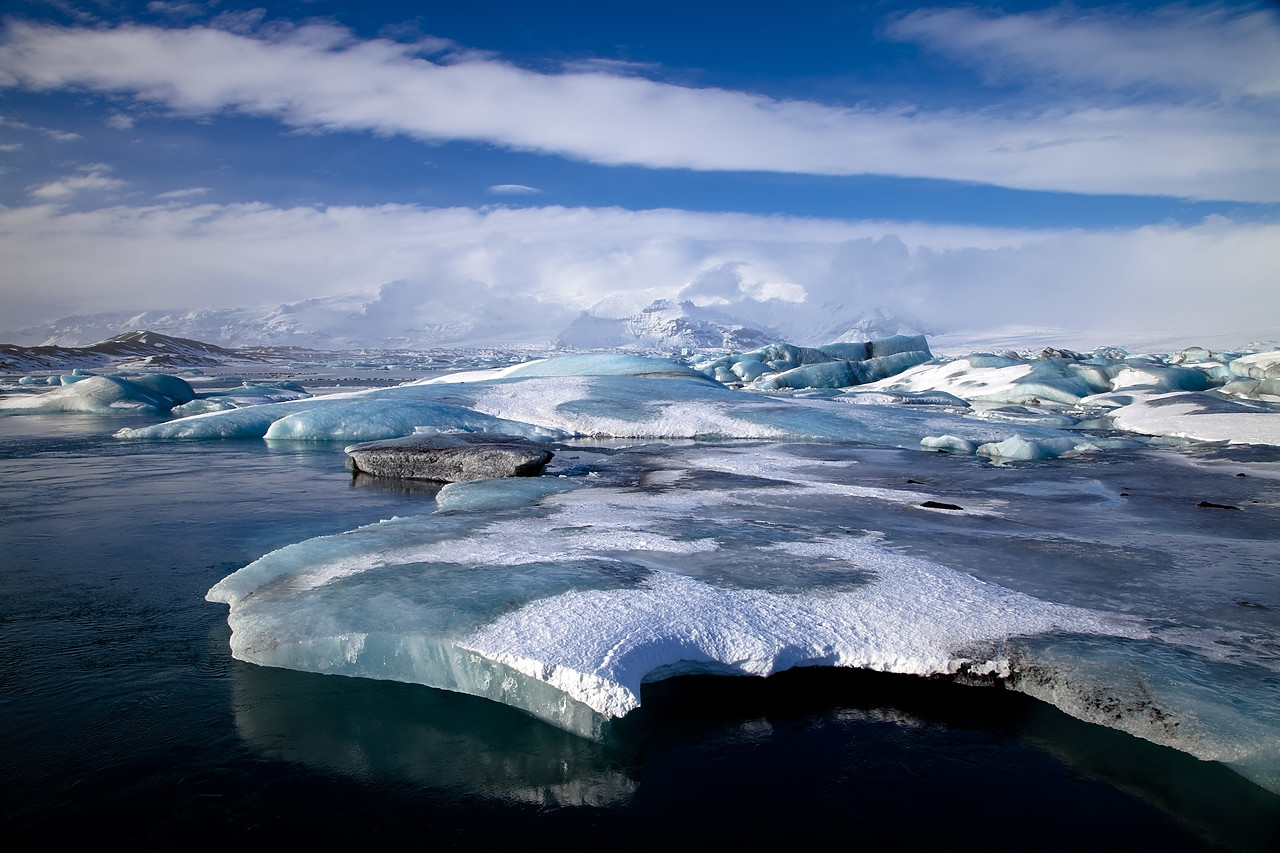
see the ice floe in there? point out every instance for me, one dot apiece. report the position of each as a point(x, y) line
point(105, 395)
point(563, 595)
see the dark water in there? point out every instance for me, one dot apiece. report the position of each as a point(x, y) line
point(128, 724)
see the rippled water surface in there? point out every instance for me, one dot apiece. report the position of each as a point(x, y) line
point(127, 721)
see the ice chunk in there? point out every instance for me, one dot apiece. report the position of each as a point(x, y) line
point(997, 379)
point(106, 395)
point(832, 374)
point(564, 610)
point(258, 393)
point(848, 350)
point(1202, 417)
point(370, 420)
point(1162, 377)
point(482, 495)
point(1261, 365)
point(200, 407)
point(949, 443)
point(748, 369)
point(836, 365)
point(1018, 449)
point(898, 344)
point(745, 559)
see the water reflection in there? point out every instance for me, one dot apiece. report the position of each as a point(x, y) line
point(426, 488)
point(382, 729)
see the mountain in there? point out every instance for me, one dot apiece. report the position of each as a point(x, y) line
point(336, 324)
point(132, 347)
point(663, 327)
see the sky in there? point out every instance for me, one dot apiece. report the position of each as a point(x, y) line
point(445, 172)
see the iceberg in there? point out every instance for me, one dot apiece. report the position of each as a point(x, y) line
point(107, 395)
point(1199, 417)
point(564, 595)
point(565, 608)
point(836, 365)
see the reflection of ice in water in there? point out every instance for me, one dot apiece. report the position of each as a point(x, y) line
point(1075, 486)
point(444, 740)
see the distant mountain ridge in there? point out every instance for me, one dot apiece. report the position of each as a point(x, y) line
point(332, 325)
point(135, 346)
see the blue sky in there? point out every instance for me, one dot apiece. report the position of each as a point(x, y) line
point(495, 169)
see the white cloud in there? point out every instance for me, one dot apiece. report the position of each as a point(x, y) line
point(1211, 49)
point(120, 121)
point(178, 9)
point(513, 189)
point(188, 192)
point(94, 179)
point(532, 269)
point(53, 133)
point(320, 77)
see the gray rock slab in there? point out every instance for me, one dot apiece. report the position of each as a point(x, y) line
point(450, 458)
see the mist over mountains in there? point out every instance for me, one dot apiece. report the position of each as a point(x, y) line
point(341, 324)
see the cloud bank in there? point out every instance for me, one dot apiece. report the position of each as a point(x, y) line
point(397, 272)
point(321, 78)
point(1208, 52)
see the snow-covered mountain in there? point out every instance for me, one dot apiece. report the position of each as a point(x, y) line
point(336, 324)
point(135, 346)
point(664, 326)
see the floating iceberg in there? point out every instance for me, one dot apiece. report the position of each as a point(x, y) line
point(562, 596)
point(105, 395)
point(837, 365)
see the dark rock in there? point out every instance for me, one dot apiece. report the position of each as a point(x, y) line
point(450, 458)
point(937, 505)
point(1207, 505)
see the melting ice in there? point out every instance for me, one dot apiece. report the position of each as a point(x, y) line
point(1094, 567)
